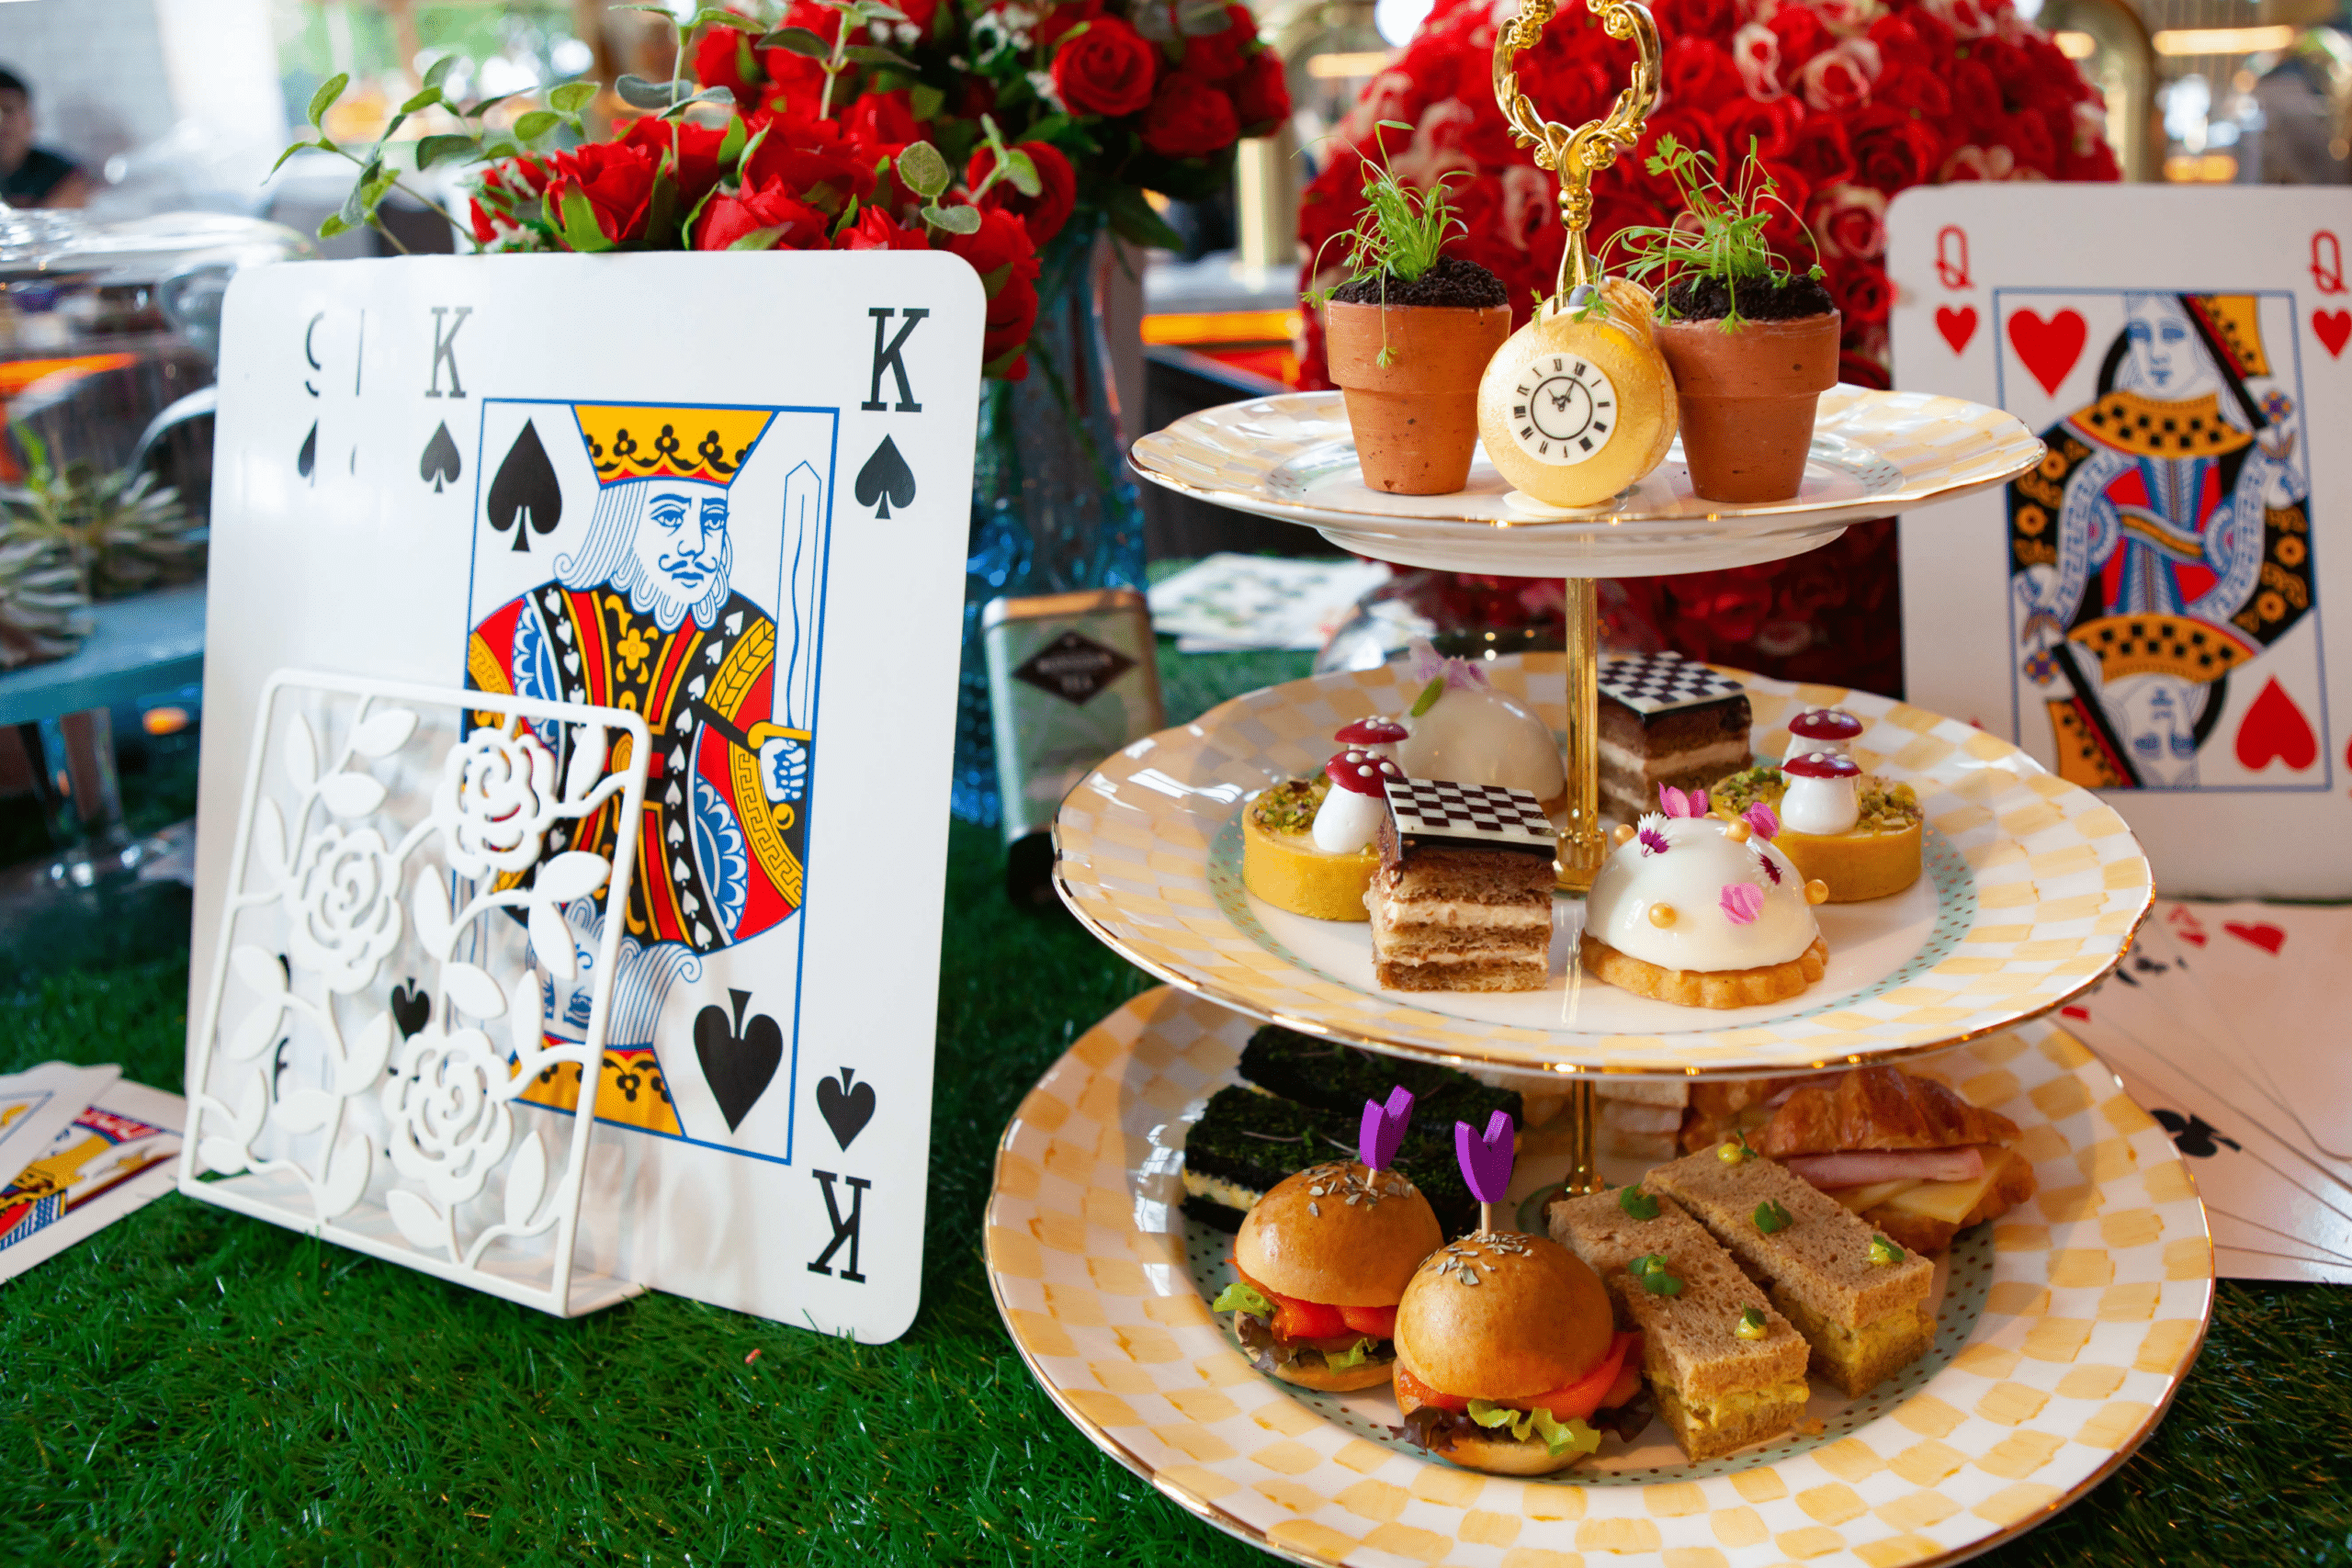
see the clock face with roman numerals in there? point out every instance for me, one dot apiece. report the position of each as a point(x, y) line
point(1562, 409)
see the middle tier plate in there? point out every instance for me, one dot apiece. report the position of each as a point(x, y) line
point(2032, 891)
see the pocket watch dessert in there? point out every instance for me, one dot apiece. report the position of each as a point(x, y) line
point(1855, 832)
point(1700, 912)
point(1578, 404)
point(1306, 845)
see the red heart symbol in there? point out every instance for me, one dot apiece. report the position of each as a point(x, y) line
point(2049, 348)
point(2190, 931)
point(2268, 938)
point(2083, 1013)
point(1958, 326)
point(2332, 328)
point(2276, 730)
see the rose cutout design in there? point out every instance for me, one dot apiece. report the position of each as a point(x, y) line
point(342, 911)
point(497, 800)
point(448, 1128)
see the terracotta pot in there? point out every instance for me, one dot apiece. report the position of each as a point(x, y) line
point(1747, 400)
point(1416, 420)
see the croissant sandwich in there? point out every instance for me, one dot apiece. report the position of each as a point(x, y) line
point(1910, 1156)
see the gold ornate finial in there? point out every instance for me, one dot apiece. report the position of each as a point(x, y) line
point(1576, 155)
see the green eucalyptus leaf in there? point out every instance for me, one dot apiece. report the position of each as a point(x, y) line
point(926, 101)
point(711, 96)
point(290, 151)
point(923, 171)
point(581, 230)
point(354, 211)
point(955, 219)
point(639, 94)
point(570, 97)
point(875, 54)
point(329, 91)
point(481, 107)
point(536, 124)
point(432, 150)
point(438, 72)
point(424, 100)
point(1021, 170)
point(712, 17)
point(391, 127)
point(730, 146)
point(796, 41)
point(333, 224)
point(880, 11)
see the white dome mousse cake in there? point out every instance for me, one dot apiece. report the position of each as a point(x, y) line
point(1703, 912)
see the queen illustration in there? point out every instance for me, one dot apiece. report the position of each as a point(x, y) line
point(2163, 541)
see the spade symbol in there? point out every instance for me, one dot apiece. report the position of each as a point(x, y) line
point(309, 457)
point(737, 1063)
point(846, 1105)
point(439, 465)
point(2193, 1135)
point(886, 480)
point(525, 489)
point(412, 1009)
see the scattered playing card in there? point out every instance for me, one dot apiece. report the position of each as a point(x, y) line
point(2145, 610)
point(38, 1103)
point(115, 1156)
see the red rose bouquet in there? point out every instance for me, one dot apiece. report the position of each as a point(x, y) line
point(983, 130)
point(1846, 102)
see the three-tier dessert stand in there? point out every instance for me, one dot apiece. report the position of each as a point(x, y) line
point(2032, 891)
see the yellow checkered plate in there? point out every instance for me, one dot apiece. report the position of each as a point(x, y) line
point(2032, 891)
point(2066, 1328)
point(1294, 457)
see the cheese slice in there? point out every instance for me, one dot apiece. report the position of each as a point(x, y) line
point(1860, 1198)
point(1949, 1202)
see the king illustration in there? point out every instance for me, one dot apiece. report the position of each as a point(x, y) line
point(2164, 541)
point(645, 615)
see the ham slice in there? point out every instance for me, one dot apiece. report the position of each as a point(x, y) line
point(1859, 1167)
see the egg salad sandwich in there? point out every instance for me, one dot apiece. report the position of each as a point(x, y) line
point(1859, 1297)
point(1724, 1369)
point(1507, 1351)
point(1320, 1263)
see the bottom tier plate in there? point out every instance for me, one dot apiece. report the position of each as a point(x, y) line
point(2065, 1328)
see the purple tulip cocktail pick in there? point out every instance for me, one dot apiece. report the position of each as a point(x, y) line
point(1384, 1128)
point(1486, 1164)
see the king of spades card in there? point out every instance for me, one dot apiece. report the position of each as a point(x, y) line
point(2163, 543)
point(690, 601)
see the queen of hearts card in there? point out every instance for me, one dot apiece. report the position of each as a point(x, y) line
point(2163, 543)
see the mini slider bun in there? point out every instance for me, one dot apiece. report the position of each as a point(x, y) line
point(1344, 1236)
point(1538, 1319)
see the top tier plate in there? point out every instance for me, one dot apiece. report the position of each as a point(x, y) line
point(1294, 457)
point(2032, 891)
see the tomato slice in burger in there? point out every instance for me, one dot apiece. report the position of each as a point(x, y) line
point(1573, 1402)
point(1298, 1319)
point(1379, 1322)
point(1406, 1383)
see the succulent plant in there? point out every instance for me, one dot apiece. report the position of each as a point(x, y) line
point(121, 533)
point(41, 603)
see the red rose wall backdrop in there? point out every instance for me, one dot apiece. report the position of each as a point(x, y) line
point(1847, 102)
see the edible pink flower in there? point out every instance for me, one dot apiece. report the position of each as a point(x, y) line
point(1760, 817)
point(1427, 665)
point(1677, 804)
point(1652, 842)
point(1743, 902)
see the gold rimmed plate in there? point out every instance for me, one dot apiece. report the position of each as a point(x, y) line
point(2066, 1329)
point(1293, 457)
point(2031, 890)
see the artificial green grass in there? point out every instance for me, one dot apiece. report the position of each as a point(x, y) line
point(193, 1387)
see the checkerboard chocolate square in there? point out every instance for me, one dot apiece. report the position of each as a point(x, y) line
point(1666, 720)
point(1463, 898)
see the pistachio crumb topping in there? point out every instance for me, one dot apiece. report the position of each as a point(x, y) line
point(1884, 807)
point(1290, 805)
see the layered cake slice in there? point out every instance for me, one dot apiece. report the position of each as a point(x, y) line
point(1666, 720)
point(1463, 898)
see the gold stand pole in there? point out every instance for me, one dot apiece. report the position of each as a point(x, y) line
point(1582, 1111)
point(1582, 844)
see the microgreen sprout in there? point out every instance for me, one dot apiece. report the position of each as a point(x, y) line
point(1400, 233)
point(1721, 231)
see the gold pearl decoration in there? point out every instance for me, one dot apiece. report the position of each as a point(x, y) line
point(1817, 891)
point(1621, 834)
point(1662, 915)
point(1738, 832)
